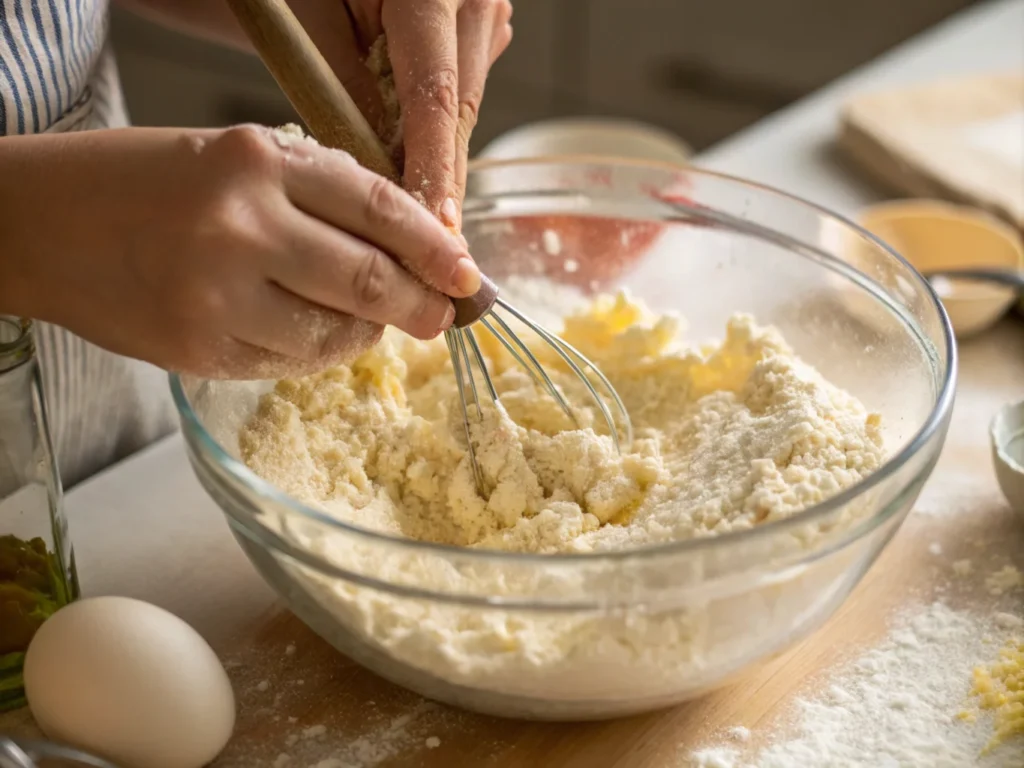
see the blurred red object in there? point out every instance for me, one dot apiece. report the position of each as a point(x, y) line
point(589, 252)
point(586, 251)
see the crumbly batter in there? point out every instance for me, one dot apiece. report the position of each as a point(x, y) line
point(727, 436)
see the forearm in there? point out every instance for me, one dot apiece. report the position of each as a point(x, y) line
point(61, 201)
point(24, 220)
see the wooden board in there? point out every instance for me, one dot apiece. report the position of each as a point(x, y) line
point(960, 140)
point(153, 534)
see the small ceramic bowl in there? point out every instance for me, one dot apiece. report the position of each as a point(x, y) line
point(1007, 433)
point(933, 236)
point(606, 137)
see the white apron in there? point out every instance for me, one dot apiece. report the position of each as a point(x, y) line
point(57, 74)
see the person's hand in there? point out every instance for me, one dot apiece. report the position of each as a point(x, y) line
point(225, 253)
point(441, 52)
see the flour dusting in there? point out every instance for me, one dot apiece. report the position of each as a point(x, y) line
point(900, 704)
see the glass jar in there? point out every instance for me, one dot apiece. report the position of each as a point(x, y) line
point(37, 562)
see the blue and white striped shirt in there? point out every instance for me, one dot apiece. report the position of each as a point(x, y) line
point(57, 74)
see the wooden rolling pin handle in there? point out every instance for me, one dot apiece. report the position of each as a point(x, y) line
point(310, 84)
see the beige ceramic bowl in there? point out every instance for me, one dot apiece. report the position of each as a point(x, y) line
point(934, 235)
point(603, 136)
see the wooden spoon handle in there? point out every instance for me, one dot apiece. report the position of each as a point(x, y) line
point(310, 84)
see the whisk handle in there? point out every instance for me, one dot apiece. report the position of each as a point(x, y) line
point(309, 83)
point(471, 309)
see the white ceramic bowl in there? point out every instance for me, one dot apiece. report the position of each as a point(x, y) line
point(599, 136)
point(1007, 432)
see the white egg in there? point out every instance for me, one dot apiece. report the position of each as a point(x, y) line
point(130, 682)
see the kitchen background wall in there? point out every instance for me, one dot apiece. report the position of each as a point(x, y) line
point(700, 68)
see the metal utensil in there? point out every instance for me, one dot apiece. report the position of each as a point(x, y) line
point(1013, 278)
point(24, 753)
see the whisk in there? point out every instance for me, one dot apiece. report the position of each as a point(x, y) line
point(335, 121)
point(461, 339)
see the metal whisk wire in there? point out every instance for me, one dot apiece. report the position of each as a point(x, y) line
point(462, 342)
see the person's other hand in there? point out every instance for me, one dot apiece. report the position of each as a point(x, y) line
point(226, 253)
point(441, 52)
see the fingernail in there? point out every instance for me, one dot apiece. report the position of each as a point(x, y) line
point(449, 318)
point(450, 212)
point(466, 277)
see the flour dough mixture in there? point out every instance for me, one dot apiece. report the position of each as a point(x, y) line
point(728, 436)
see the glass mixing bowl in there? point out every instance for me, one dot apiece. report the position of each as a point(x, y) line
point(586, 636)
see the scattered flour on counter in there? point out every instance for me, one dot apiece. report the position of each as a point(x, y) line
point(957, 494)
point(963, 567)
point(1006, 579)
point(714, 757)
point(739, 733)
point(896, 706)
point(382, 744)
point(321, 747)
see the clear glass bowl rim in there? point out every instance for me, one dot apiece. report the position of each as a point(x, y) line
point(197, 435)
